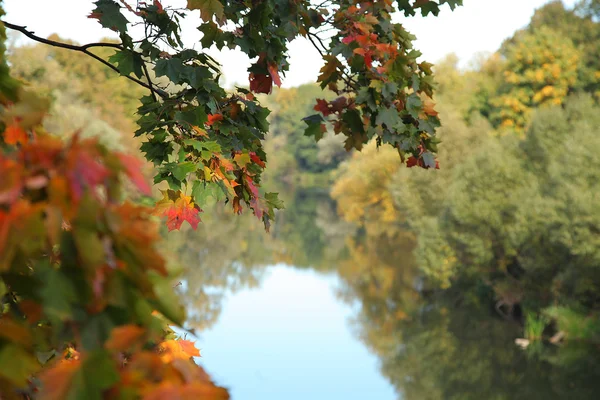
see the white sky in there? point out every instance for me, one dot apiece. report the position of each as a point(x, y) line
point(478, 26)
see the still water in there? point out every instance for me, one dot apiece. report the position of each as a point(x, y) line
point(291, 339)
point(317, 310)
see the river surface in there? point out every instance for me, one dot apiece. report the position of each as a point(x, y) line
point(316, 310)
point(291, 338)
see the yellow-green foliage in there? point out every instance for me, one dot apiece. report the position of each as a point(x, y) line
point(541, 67)
point(361, 189)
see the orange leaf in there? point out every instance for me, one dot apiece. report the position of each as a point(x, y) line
point(212, 118)
point(56, 380)
point(189, 348)
point(177, 349)
point(124, 337)
point(273, 71)
point(15, 134)
point(428, 107)
point(200, 131)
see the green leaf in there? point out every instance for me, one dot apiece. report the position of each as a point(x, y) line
point(166, 301)
point(97, 373)
point(212, 35)
point(389, 91)
point(89, 247)
point(170, 67)
point(315, 126)
point(414, 105)
point(109, 14)
point(17, 365)
point(127, 62)
point(195, 117)
point(428, 159)
point(207, 8)
point(201, 191)
point(157, 152)
point(181, 170)
point(274, 201)
point(199, 145)
point(388, 117)
point(58, 293)
point(353, 120)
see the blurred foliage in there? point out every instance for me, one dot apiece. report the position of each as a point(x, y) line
point(540, 69)
point(86, 96)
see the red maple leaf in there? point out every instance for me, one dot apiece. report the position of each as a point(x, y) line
point(251, 186)
point(260, 83)
point(411, 162)
point(179, 210)
point(212, 118)
point(323, 107)
point(256, 159)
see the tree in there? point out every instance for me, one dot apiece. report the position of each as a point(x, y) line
point(541, 69)
point(86, 297)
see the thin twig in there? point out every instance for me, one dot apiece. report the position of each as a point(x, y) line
point(83, 49)
point(145, 67)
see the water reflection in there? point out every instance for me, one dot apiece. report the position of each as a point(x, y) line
point(351, 319)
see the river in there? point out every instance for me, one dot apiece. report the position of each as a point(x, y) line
point(315, 311)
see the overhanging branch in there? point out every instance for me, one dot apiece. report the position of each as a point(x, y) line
point(85, 50)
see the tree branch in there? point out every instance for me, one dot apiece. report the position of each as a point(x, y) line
point(84, 49)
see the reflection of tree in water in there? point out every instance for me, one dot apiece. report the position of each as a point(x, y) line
point(299, 231)
point(225, 254)
point(442, 348)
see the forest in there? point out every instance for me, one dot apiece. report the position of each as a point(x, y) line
point(466, 266)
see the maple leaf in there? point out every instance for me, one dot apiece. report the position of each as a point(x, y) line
point(260, 83)
point(56, 380)
point(366, 54)
point(15, 134)
point(124, 337)
point(177, 210)
point(207, 8)
point(212, 118)
point(133, 169)
point(256, 159)
point(273, 71)
point(188, 347)
point(411, 162)
point(178, 349)
point(338, 104)
point(251, 186)
point(428, 107)
point(329, 71)
point(323, 107)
